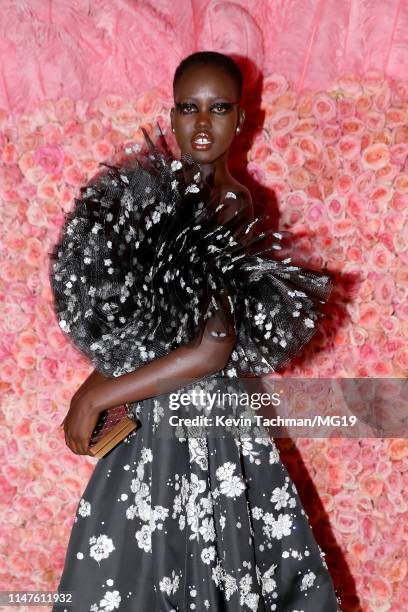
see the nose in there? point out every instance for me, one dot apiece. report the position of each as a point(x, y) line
point(203, 120)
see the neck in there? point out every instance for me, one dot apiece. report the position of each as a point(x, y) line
point(220, 169)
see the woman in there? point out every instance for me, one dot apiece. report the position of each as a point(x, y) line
point(201, 523)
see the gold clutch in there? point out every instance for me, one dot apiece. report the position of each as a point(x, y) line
point(113, 425)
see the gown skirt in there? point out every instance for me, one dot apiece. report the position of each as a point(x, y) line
point(173, 523)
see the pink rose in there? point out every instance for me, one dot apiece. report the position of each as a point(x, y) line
point(363, 104)
point(316, 212)
point(275, 167)
point(381, 259)
point(148, 103)
point(50, 157)
point(274, 85)
point(110, 104)
point(382, 98)
point(126, 118)
point(74, 177)
point(52, 133)
point(330, 132)
point(310, 146)
point(79, 146)
point(282, 122)
point(280, 143)
point(401, 182)
point(299, 179)
point(324, 108)
point(352, 127)
point(64, 109)
point(375, 156)
point(346, 108)
point(386, 174)
point(344, 183)
point(374, 121)
point(305, 126)
point(93, 129)
point(293, 157)
point(102, 150)
point(345, 522)
point(256, 172)
point(399, 153)
point(349, 147)
point(365, 182)
point(335, 207)
point(34, 253)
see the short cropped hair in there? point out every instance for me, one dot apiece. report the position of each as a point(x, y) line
point(204, 58)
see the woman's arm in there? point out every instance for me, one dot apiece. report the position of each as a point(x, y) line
point(206, 354)
point(94, 379)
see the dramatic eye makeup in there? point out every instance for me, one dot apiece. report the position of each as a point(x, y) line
point(221, 108)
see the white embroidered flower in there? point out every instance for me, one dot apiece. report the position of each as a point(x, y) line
point(156, 216)
point(232, 487)
point(230, 194)
point(110, 601)
point(144, 538)
point(268, 583)
point(259, 318)
point(281, 527)
point(307, 581)
point(280, 497)
point(207, 529)
point(84, 508)
point(192, 189)
point(208, 555)
point(309, 323)
point(101, 547)
point(225, 471)
point(175, 165)
point(257, 513)
point(170, 585)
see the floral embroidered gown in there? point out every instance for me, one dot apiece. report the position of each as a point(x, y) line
point(187, 520)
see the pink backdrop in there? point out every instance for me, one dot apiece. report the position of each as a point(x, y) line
point(325, 147)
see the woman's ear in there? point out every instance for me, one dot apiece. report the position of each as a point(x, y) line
point(241, 118)
point(172, 118)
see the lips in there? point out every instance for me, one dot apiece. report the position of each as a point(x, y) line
point(202, 139)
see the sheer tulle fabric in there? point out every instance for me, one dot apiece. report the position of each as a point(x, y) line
point(142, 262)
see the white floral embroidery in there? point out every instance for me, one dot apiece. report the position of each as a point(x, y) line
point(109, 602)
point(170, 585)
point(84, 508)
point(231, 485)
point(100, 547)
point(307, 581)
point(142, 509)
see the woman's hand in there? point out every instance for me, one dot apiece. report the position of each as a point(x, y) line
point(79, 424)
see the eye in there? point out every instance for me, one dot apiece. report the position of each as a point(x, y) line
point(184, 107)
point(222, 107)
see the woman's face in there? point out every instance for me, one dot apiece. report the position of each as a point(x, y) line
point(206, 113)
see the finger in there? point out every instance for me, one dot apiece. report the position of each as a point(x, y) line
point(70, 442)
point(81, 445)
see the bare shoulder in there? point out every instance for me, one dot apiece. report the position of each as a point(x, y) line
point(237, 198)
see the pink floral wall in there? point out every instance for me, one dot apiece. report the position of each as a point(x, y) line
point(325, 150)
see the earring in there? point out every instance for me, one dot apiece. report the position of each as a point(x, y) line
point(238, 129)
point(172, 129)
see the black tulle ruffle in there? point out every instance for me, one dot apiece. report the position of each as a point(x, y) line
point(141, 262)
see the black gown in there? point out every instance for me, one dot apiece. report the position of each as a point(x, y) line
point(187, 520)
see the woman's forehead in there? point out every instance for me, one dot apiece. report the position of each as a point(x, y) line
point(205, 81)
